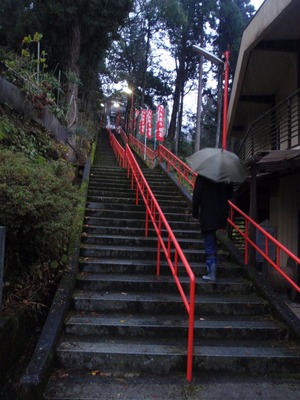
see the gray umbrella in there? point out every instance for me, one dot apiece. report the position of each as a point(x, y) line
point(218, 165)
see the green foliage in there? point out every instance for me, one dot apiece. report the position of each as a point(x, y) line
point(73, 78)
point(233, 16)
point(37, 205)
point(6, 127)
point(30, 139)
point(40, 86)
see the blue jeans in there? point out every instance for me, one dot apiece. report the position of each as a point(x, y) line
point(210, 243)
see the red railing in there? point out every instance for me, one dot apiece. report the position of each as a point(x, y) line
point(279, 248)
point(124, 136)
point(118, 150)
point(167, 241)
point(142, 150)
point(188, 176)
point(174, 164)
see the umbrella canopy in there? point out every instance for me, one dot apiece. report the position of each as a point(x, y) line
point(218, 165)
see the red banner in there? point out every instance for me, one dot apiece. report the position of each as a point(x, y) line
point(143, 122)
point(149, 124)
point(160, 114)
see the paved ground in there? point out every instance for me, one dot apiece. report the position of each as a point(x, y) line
point(210, 388)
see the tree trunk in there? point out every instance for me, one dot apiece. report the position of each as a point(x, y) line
point(147, 52)
point(72, 94)
point(219, 110)
point(179, 123)
point(197, 143)
point(176, 101)
point(175, 108)
point(72, 114)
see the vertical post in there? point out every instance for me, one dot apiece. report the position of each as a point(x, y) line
point(197, 144)
point(189, 373)
point(132, 113)
point(225, 106)
point(253, 212)
point(2, 250)
point(145, 134)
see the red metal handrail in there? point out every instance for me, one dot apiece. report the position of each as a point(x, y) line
point(268, 238)
point(118, 150)
point(169, 245)
point(248, 222)
point(173, 163)
point(189, 176)
point(184, 172)
point(154, 212)
point(124, 136)
point(143, 150)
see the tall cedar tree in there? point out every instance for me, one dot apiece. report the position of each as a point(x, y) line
point(233, 16)
point(131, 58)
point(185, 22)
point(76, 34)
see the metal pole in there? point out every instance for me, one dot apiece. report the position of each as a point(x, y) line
point(2, 250)
point(225, 106)
point(211, 57)
point(197, 144)
point(132, 113)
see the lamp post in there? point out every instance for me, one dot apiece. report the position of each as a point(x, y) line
point(102, 115)
point(216, 60)
point(115, 104)
point(131, 116)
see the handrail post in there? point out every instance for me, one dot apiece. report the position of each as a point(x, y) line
point(265, 253)
point(158, 247)
point(191, 332)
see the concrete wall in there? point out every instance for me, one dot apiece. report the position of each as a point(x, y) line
point(284, 209)
point(17, 100)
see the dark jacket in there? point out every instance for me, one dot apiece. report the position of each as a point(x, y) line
point(210, 203)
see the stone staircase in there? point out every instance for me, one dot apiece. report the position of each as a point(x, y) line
point(127, 322)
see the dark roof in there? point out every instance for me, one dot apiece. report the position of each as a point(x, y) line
point(277, 160)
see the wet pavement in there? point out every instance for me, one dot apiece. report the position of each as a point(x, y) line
point(165, 388)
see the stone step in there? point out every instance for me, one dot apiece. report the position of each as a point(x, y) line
point(152, 283)
point(137, 214)
point(134, 213)
point(173, 326)
point(107, 221)
point(162, 357)
point(129, 266)
point(120, 203)
point(138, 231)
point(165, 303)
point(100, 198)
point(140, 253)
point(126, 203)
point(133, 222)
point(100, 385)
point(112, 180)
point(123, 240)
point(113, 191)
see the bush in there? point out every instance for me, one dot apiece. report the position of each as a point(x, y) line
point(37, 205)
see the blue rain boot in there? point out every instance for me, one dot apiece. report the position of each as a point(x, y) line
point(211, 264)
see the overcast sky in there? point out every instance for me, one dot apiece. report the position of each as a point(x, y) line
point(257, 3)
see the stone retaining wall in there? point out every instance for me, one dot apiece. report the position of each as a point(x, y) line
point(16, 99)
